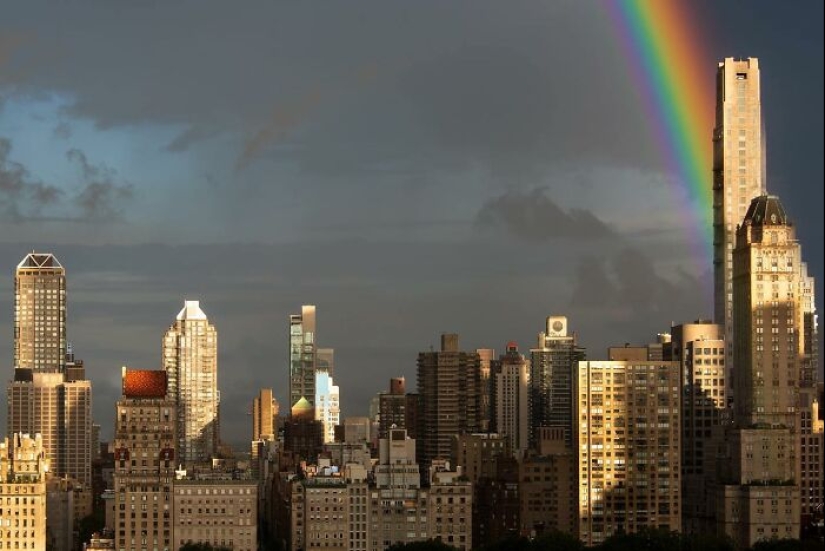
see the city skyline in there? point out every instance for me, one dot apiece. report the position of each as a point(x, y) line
point(478, 200)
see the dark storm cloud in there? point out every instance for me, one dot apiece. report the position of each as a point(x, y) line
point(628, 281)
point(101, 194)
point(191, 135)
point(24, 198)
point(535, 217)
point(287, 117)
point(472, 91)
point(622, 297)
point(21, 196)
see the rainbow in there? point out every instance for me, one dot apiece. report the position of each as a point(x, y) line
point(674, 77)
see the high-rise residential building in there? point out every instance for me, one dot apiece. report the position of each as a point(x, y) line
point(302, 355)
point(397, 409)
point(49, 394)
point(34, 408)
point(627, 443)
point(486, 358)
point(552, 367)
point(810, 331)
point(811, 457)
point(23, 470)
point(325, 508)
point(265, 410)
point(510, 385)
point(76, 431)
point(449, 387)
point(768, 317)
point(327, 403)
point(145, 461)
point(190, 359)
point(738, 176)
point(760, 471)
point(40, 313)
point(397, 481)
point(392, 407)
point(699, 348)
point(812, 428)
point(61, 411)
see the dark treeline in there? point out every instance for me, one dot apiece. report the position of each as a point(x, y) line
point(649, 540)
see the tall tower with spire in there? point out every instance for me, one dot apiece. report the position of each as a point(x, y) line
point(190, 359)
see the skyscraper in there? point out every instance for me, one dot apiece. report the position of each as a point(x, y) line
point(552, 368)
point(628, 447)
point(449, 383)
point(699, 347)
point(738, 176)
point(302, 356)
point(487, 357)
point(265, 416)
point(511, 377)
point(40, 313)
point(190, 359)
point(327, 403)
point(759, 475)
point(144, 461)
point(49, 394)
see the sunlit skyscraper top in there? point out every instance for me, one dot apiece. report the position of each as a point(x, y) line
point(40, 313)
point(190, 358)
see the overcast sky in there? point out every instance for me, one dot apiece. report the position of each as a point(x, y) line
point(411, 168)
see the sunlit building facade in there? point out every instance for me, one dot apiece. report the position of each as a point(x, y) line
point(759, 491)
point(511, 381)
point(190, 359)
point(738, 176)
point(40, 313)
point(23, 470)
point(145, 462)
point(327, 403)
point(628, 447)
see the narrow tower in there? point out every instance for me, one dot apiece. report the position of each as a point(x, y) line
point(40, 314)
point(738, 177)
point(302, 356)
point(190, 359)
point(553, 365)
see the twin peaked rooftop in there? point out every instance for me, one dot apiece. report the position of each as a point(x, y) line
point(39, 260)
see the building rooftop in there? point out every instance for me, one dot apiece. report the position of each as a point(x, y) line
point(766, 210)
point(191, 311)
point(39, 260)
point(144, 383)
